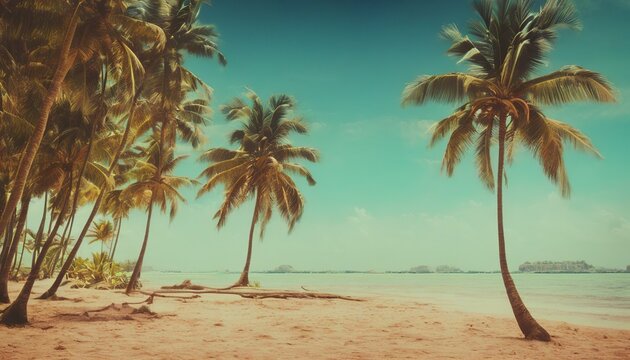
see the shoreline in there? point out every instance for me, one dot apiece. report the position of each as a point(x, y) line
point(226, 326)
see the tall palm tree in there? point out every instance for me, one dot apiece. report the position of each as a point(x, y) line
point(154, 185)
point(102, 231)
point(501, 103)
point(261, 167)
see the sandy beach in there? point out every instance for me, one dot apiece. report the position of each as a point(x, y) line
point(228, 326)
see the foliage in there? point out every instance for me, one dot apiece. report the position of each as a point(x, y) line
point(507, 44)
point(98, 272)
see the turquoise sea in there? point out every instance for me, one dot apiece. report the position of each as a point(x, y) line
point(601, 300)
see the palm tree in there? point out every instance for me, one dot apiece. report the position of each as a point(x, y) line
point(154, 185)
point(118, 207)
point(261, 167)
point(102, 231)
point(501, 103)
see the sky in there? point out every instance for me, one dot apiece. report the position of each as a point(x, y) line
point(381, 202)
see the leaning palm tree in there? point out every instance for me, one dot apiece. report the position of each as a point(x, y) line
point(260, 168)
point(501, 104)
point(154, 185)
point(102, 231)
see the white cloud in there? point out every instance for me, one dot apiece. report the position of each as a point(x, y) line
point(416, 131)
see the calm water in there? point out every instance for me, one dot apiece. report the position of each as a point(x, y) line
point(588, 299)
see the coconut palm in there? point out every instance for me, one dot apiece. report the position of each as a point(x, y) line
point(501, 99)
point(261, 167)
point(154, 184)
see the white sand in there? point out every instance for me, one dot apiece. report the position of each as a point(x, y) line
point(224, 326)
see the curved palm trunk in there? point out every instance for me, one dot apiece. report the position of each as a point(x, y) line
point(19, 264)
point(97, 204)
point(5, 269)
point(111, 255)
point(40, 231)
point(135, 275)
point(528, 325)
point(64, 63)
point(64, 244)
point(244, 278)
point(8, 240)
point(53, 261)
point(16, 313)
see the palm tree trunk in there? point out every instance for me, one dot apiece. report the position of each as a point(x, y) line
point(64, 63)
point(528, 325)
point(135, 275)
point(16, 313)
point(97, 204)
point(64, 242)
point(5, 269)
point(40, 231)
point(19, 264)
point(244, 278)
point(8, 240)
point(111, 255)
point(53, 265)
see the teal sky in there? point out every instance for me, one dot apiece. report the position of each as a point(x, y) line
point(381, 202)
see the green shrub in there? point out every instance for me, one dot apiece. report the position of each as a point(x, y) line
point(99, 273)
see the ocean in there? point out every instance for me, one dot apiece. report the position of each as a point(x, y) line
point(601, 300)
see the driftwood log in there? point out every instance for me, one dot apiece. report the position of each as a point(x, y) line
point(187, 287)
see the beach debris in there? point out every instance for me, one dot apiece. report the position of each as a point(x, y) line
point(186, 284)
point(187, 287)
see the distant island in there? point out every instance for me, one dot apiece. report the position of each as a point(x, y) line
point(283, 269)
point(565, 267)
point(541, 267)
point(444, 269)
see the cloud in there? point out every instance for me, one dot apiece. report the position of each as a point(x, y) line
point(360, 215)
point(416, 131)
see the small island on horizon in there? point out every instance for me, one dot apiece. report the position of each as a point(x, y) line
point(538, 267)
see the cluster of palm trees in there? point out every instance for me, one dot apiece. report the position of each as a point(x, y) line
point(95, 98)
point(99, 127)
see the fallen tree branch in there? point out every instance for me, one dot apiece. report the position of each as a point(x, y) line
point(187, 287)
point(257, 294)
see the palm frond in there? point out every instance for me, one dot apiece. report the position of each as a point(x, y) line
point(448, 88)
point(571, 83)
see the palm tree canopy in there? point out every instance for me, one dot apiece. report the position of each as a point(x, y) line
point(262, 165)
point(150, 181)
point(506, 46)
point(102, 230)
